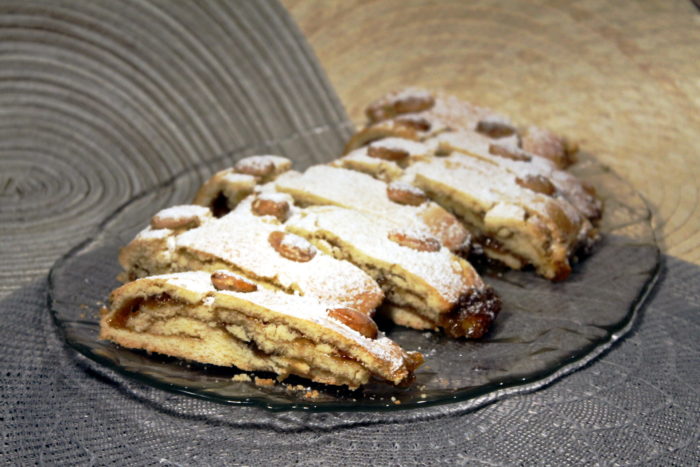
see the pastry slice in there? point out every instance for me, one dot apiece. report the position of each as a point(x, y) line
point(515, 220)
point(228, 320)
point(397, 203)
point(417, 114)
point(537, 172)
point(251, 241)
point(225, 189)
point(426, 286)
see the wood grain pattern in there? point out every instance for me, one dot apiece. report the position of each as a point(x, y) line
point(623, 77)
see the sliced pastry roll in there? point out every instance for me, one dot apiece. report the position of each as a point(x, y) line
point(516, 219)
point(251, 241)
point(417, 114)
point(398, 203)
point(228, 320)
point(426, 286)
point(532, 170)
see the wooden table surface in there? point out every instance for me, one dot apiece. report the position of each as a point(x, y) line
point(621, 77)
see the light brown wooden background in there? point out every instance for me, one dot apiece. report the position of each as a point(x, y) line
point(620, 76)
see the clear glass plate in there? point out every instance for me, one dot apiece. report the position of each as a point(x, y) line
point(544, 330)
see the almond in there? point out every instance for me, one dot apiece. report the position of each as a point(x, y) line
point(561, 219)
point(446, 228)
point(546, 144)
point(292, 246)
point(414, 122)
point(509, 152)
point(225, 280)
point(495, 127)
point(258, 166)
point(179, 217)
point(419, 241)
point(387, 153)
point(537, 183)
point(269, 206)
point(407, 101)
point(356, 320)
point(403, 193)
point(414, 103)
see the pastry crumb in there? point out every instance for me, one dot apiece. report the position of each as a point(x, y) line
point(243, 377)
point(264, 381)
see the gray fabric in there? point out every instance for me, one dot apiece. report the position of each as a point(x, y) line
point(102, 100)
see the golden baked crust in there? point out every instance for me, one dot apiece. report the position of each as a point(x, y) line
point(186, 316)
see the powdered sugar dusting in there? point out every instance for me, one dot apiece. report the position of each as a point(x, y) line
point(369, 234)
point(241, 239)
point(153, 234)
point(238, 179)
point(185, 211)
point(275, 197)
point(297, 242)
point(407, 187)
point(353, 190)
point(261, 164)
point(413, 148)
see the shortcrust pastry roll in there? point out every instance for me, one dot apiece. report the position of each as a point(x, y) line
point(542, 174)
point(397, 202)
point(228, 187)
point(224, 319)
point(511, 218)
point(418, 114)
point(426, 286)
point(251, 241)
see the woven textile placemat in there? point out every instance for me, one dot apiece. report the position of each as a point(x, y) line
point(102, 100)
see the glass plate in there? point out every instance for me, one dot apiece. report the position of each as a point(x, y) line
point(544, 330)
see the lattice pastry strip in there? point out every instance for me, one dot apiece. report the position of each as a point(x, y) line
point(251, 241)
point(513, 222)
point(426, 286)
point(396, 203)
point(417, 114)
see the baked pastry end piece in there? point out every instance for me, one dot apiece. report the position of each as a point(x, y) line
point(472, 317)
point(228, 320)
point(225, 189)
